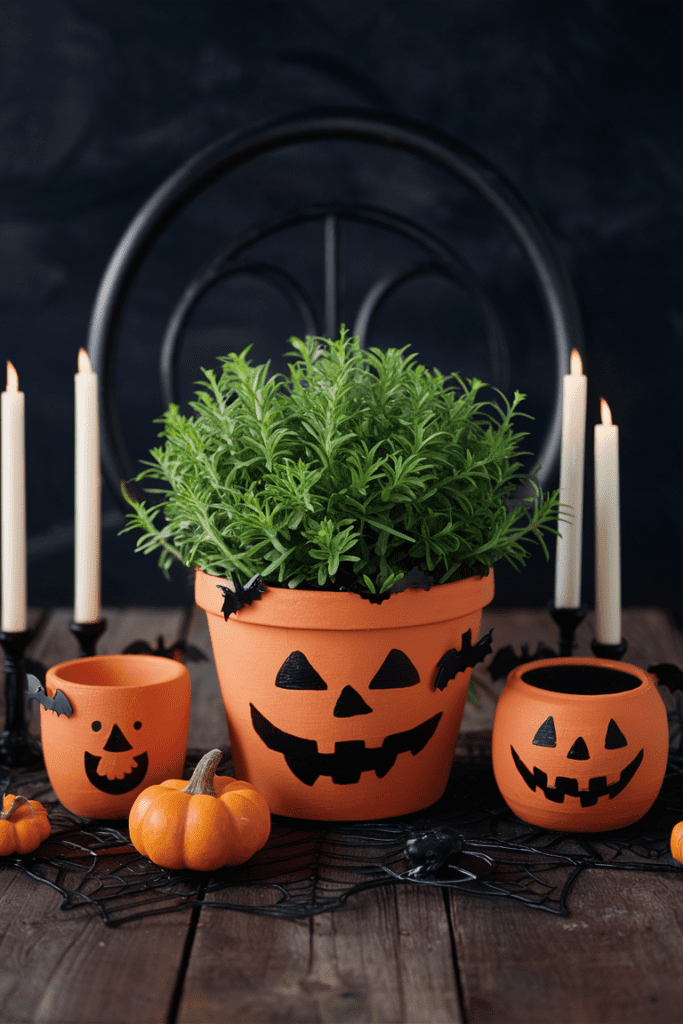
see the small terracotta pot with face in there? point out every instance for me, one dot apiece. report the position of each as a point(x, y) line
point(580, 744)
point(127, 729)
point(342, 709)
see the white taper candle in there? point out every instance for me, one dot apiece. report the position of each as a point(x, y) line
point(87, 495)
point(568, 551)
point(13, 506)
point(607, 541)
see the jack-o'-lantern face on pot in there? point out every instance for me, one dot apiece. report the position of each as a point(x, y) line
point(115, 768)
point(364, 745)
point(127, 729)
point(350, 757)
point(573, 747)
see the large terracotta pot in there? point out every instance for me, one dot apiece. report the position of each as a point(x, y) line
point(580, 744)
point(332, 704)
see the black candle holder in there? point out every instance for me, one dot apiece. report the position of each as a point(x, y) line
point(614, 652)
point(17, 748)
point(87, 634)
point(568, 619)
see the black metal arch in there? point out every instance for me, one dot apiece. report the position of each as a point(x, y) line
point(361, 125)
point(280, 279)
point(227, 262)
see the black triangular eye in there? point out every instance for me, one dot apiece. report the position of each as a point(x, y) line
point(615, 737)
point(396, 670)
point(579, 751)
point(545, 734)
point(297, 673)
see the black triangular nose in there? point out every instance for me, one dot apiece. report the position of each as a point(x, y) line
point(350, 703)
point(117, 741)
point(579, 751)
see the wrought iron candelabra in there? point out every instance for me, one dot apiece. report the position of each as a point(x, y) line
point(17, 748)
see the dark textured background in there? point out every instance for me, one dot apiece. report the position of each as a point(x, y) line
point(578, 103)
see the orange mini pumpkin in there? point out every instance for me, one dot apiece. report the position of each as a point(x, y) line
point(580, 744)
point(677, 842)
point(23, 825)
point(207, 823)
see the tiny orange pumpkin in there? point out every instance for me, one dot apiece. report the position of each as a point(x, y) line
point(23, 825)
point(204, 824)
point(677, 842)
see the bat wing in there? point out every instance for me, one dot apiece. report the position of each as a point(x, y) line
point(139, 647)
point(504, 662)
point(468, 656)
point(60, 703)
point(670, 675)
point(189, 651)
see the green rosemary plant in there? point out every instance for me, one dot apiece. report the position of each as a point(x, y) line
point(347, 472)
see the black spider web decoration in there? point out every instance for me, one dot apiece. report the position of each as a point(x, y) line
point(469, 842)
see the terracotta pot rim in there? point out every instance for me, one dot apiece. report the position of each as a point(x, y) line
point(515, 676)
point(338, 610)
point(175, 670)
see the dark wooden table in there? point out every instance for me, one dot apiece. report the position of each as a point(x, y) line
point(397, 954)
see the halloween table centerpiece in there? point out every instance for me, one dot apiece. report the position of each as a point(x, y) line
point(342, 520)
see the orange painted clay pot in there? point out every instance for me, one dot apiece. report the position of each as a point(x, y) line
point(332, 704)
point(580, 744)
point(127, 731)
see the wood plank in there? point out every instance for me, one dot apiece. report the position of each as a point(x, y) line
point(385, 957)
point(615, 959)
point(67, 966)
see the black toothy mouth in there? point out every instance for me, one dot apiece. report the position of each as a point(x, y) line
point(597, 786)
point(350, 757)
point(116, 787)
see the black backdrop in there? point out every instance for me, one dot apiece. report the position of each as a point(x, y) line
point(578, 103)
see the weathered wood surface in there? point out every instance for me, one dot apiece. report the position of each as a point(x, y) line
point(398, 954)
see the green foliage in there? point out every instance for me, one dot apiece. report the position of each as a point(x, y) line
point(348, 471)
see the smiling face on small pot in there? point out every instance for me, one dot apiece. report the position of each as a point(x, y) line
point(579, 747)
point(127, 730)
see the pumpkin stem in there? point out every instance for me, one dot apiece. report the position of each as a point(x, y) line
point(17, 802)
point(201, 783)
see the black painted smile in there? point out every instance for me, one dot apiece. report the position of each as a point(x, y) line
point(597, 786)
point(350, 757)
point(116, 786)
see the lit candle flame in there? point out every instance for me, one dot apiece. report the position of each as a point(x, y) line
point(12, 378)
point(84, 365)
point(605, 414)
point(576, 366)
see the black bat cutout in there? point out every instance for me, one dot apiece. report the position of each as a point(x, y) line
point(415, 578)
point(669, 675)
point(59, 703)
point(181, 650)
point(241, 595)
point(367, 595)
point(506, 659)
point(468, 656)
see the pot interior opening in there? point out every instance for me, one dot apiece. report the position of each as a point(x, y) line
point(581, 679)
